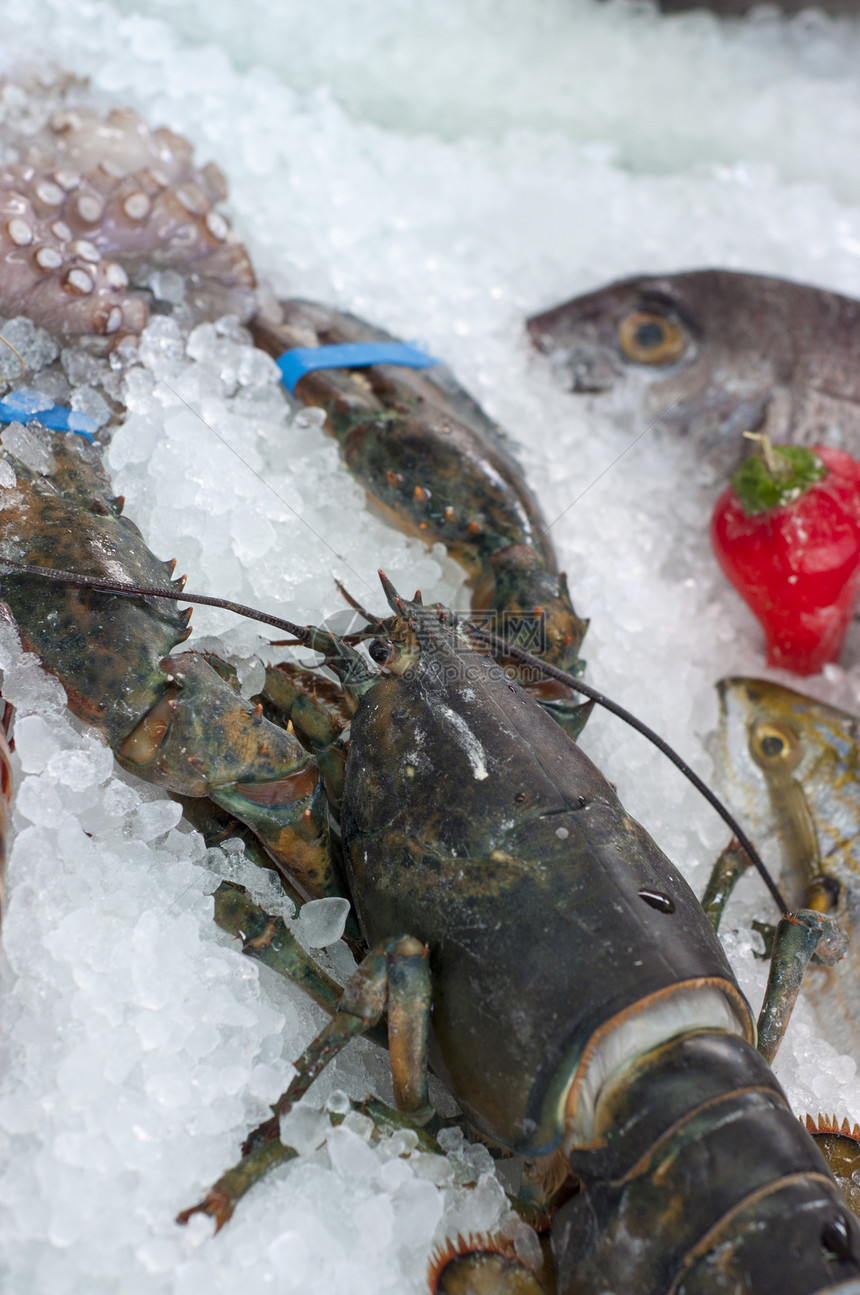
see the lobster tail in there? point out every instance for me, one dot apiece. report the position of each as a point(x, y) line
point(702, 1182)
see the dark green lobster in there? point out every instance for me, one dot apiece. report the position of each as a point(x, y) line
point(437, 467)
point(580, 999)
point(578, 995)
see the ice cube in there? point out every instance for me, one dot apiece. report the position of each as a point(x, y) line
point(155, 818)
point(86, 400)
point(374, 1220)
point(36, 348)
point(527, 1246)
point(162, 346)
point(304, 1128)
point(251, 675)
point(28, 444)
point(36, 742)
point(322, 921)
point(350, 1154)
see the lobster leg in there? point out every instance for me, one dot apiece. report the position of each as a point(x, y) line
point(725, 874)
point(267, 939)
point(312, 703)
point(798, 937)
point(394, 974)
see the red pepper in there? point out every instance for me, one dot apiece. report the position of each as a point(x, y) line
point(786, 533)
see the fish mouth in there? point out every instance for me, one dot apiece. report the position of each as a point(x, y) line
point(584, 369)
point(739, 686)
point(579, 360)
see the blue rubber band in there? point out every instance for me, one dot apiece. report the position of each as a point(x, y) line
point(349, 355)
point(19, 407)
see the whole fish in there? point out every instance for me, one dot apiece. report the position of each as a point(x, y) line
point(711, 354)
point(791, 768)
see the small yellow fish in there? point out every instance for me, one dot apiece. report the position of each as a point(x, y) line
point(791, 766)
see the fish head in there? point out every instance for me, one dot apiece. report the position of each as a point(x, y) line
point(695, 351)
point(789, 768)
point(597, 339)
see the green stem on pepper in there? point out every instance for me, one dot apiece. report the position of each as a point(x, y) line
point(775, 475)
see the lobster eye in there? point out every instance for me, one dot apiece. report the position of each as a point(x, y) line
point(649, 338)
point(382, 651)
point(775, 746)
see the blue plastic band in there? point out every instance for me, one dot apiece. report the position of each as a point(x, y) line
point(18, 407)
point(349, 355)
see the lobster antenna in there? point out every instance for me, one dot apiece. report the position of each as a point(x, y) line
point(126, 590)
point(372, 621)
point(500, 645)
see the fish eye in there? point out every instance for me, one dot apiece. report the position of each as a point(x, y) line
point(775, 746)
point(649, 338)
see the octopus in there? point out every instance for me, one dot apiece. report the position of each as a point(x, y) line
point(90, 205)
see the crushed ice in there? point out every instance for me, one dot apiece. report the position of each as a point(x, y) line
point(445, 201)
point(322, 921)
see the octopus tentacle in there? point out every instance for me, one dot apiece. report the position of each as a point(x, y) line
point(87, 203)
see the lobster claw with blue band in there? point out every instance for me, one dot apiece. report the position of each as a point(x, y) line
point(437, 467)
point(23, 406)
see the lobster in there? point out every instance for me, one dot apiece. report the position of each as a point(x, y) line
point(580, 997)
point(432, 462)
